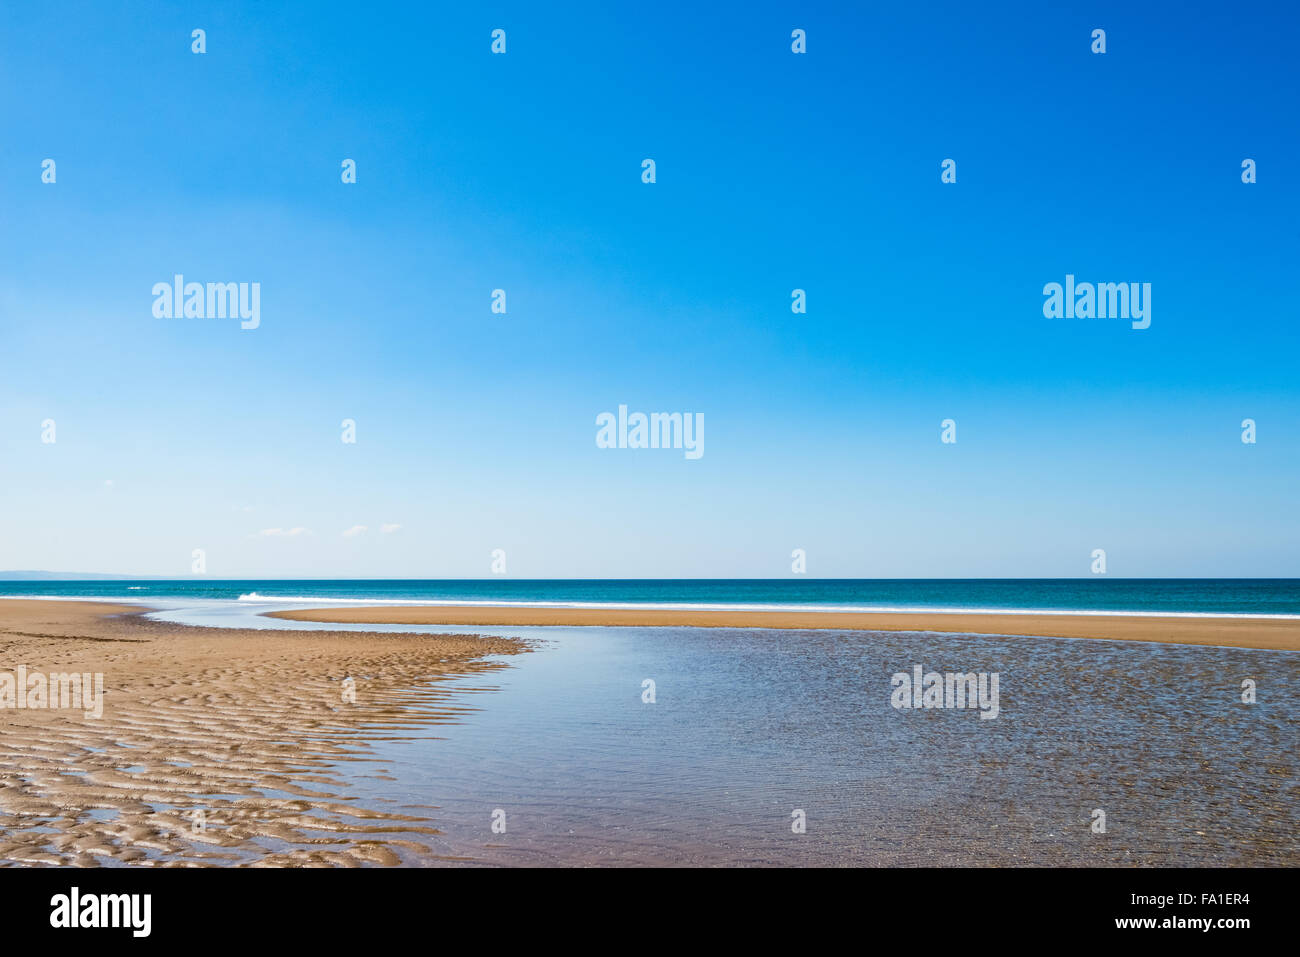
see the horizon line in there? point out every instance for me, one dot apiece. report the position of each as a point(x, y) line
point(109, 576)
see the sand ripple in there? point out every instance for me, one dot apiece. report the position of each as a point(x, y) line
point(216, 746)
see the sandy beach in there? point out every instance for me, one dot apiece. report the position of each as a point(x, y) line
point(232, 746)
point(1273, 634)
point(215, 746)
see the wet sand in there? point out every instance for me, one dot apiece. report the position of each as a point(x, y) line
point(1272, 634)
point(240, 731)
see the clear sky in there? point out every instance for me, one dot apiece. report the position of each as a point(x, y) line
point(774, 171)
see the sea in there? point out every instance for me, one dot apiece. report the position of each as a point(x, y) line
point(1238, 597)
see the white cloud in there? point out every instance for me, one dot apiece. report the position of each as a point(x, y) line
point(282, 532)
point(389, 527)
point(354, 530)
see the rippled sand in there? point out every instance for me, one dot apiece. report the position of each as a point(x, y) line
point(239, 730)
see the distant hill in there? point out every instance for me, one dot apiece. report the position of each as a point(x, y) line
point(39, 576)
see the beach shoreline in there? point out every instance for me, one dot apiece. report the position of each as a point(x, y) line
point(249, 730)
point(1270, 634)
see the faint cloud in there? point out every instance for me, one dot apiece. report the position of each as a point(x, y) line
point(282, 532)
point(389, 527)
point(354, 531)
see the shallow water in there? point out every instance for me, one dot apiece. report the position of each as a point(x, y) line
point(750, 725)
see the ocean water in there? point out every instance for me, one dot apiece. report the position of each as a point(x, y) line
point(1209, 596)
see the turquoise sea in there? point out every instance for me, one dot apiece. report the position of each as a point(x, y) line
point(1191, 596)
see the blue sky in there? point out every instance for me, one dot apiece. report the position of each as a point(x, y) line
point(775, 171)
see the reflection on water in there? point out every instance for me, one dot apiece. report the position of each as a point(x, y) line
point(750, 725)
